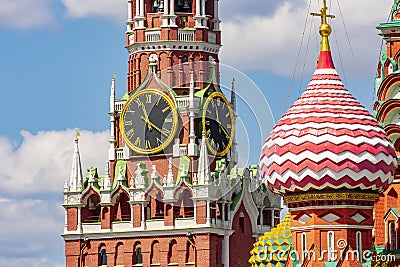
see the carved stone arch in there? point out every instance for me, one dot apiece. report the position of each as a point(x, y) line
point(121, 210)
point(389, 113)
point(156, 205)
point(387, 85)
point(184, 207)
point(88, 193)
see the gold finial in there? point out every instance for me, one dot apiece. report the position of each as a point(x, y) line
point(77, 135)
point(325, 29)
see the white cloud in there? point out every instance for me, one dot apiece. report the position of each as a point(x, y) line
point(43, 161)
point(26, 14)
point(114, 9)
point(29, 262)
point(30, 228)
point(271, 42)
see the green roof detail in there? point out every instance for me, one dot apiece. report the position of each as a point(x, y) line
point(118, 165)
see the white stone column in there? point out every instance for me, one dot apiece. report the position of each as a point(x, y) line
point(198, 16)
point(203, 13)
point(225, 250)
point(65, 220)
point(216, 19)
point(172, 14)
point(130, 16)
point(79, 219)
point(143, 221)
point(165, 17)
point(141, 15)
point(208, 214)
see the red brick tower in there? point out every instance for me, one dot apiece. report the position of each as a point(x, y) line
point(387, 108)
point(330, 159)
point(171, 194)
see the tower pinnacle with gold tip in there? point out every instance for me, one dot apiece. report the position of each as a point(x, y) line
point(325, 29)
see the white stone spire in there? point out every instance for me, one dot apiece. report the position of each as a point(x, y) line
point(76, 178)
point(170, 176)
point(111, 150)
point(192, 147)
point(203, 172)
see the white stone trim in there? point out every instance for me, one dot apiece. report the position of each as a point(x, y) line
point(174, 46)
point(343, 226)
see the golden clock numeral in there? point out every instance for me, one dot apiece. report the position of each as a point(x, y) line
point(128, 123)
point(213, 104)
point(218, 102)
point(148, 145)
point(148, 99)
point(130, 133)
point(159, 142)
point(212, 142)
point(165, 109)
point(139, 102)
point(208, 133)
point(207, 122)
point(229, 126)
point(165, 132)
point(224, 145)
point(168, 120)
point(208, 111)
point(227, 114)
point(217, 146)
point(137, 142)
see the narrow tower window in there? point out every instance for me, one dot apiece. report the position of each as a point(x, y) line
point(359, 245)
point(303, 246)
point(391, 235)
point(331, 246)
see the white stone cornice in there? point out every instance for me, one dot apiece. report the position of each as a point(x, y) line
point(174, 45)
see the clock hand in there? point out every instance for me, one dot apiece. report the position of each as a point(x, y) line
point(149, 123)
point(219, 123)
point(223, 129)
point(146, 117)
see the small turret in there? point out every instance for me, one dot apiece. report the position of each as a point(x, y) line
point(76, 177)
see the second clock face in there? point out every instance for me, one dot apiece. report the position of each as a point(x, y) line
point(218, 124)
point(149, 121)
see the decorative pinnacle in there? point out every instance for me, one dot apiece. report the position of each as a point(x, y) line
point(325, 29)
point(77, 135)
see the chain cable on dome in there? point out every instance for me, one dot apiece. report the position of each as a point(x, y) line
point(298, 56)
point(305, 60)
point(339, 53)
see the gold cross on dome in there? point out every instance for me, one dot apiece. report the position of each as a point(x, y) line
point(323, 14)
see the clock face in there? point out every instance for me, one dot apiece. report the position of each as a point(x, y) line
point(218, 124)
point(149, 121)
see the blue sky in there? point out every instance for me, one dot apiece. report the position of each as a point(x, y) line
point(57, 61)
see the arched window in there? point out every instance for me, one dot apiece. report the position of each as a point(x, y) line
point(155, 252)
point(119, 254)
point(241, 223)
point(92, 209)
point(102, 256)
point(303, 246)
point(137, 253)
point(331, 246)
point(359, 245)
point(391, 236)
point(185, 207)
point(172, 253)
point(189, 252)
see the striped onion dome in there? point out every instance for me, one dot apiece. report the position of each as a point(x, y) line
point(327, 141)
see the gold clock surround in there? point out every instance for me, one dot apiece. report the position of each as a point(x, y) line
point(174, 115)
point(207, 103)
